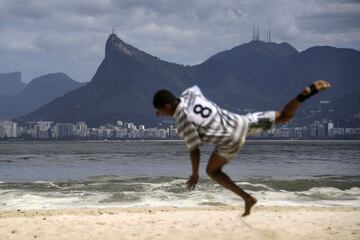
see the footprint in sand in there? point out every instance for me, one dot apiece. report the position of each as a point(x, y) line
point(263, 233)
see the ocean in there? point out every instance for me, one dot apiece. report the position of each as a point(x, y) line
point(87, 174)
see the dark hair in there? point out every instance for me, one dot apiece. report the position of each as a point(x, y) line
point(163, 97)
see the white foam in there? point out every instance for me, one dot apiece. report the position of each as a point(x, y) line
point(255, 185)
point(158, 195)
point(333, 193)
point(318, 196)
point(12, 200)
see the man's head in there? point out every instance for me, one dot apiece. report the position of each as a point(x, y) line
point(165, 103)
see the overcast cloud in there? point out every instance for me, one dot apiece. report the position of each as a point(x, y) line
point(43, 36)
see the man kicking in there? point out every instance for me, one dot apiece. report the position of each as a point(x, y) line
point(199, 121)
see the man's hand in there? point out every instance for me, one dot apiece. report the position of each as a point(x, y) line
point(191, 183)
point(195, 160)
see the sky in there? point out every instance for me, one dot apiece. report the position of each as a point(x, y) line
point(38, 37)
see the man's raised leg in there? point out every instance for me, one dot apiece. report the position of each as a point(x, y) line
point(289, 110)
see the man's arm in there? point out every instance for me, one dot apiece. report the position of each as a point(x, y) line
point(195, 162)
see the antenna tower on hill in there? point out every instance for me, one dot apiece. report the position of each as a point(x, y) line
point(256, 33)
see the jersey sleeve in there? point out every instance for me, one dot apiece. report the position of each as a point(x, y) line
point(188, 132)
point(194, 91)
point(191, 137)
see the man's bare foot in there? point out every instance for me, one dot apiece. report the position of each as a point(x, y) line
point(320, 85)
point(249, 203)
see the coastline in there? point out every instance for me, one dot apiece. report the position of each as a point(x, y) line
point(249, 139)
point(215, 222)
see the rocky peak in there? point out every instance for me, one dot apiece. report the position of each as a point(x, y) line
point(115, 45)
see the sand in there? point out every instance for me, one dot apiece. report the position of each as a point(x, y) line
point(265, 222)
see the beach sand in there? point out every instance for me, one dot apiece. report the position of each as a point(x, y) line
point(265, 222)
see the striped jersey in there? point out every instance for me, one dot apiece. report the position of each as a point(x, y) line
point(199, 121)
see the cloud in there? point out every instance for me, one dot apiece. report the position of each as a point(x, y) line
point(67, 34)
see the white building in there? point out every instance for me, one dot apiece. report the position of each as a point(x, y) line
point(173, 131)
point(337, 132)
point(130, 126)
point(92, 132)
point(352, 131)
point(44, 125)
point(80, 129)
point(42, 130)
point(155, 133)
point(8, 129)
point(64, 130)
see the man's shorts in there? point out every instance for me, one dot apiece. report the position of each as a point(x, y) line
point(257, 122)
point(260, 121)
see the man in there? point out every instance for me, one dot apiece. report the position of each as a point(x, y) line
point(199, 121)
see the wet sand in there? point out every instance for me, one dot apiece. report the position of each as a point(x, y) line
point(265, 222)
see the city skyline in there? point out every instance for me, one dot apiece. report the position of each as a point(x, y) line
point(50, 130)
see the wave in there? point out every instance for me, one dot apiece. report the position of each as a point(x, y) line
point(115, 191)
point(330, 193)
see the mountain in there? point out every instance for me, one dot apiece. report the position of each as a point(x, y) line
point(347, 105)
point(257, 78)
point(38, 92)
point(345, 110)
point(253, 76)
point(244, 75)
point(339, 66)
point(121, 89)
point(11, 84)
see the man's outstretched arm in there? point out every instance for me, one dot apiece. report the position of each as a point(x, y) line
point(195, 162)
point(289, 110)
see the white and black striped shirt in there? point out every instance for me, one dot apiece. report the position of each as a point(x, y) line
point(199, 121)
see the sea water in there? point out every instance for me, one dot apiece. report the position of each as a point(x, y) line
point(74, 174)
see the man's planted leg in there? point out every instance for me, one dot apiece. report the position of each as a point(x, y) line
point(214, 170)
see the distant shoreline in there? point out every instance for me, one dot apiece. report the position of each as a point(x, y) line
point(169, 140)
point(164, 140)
